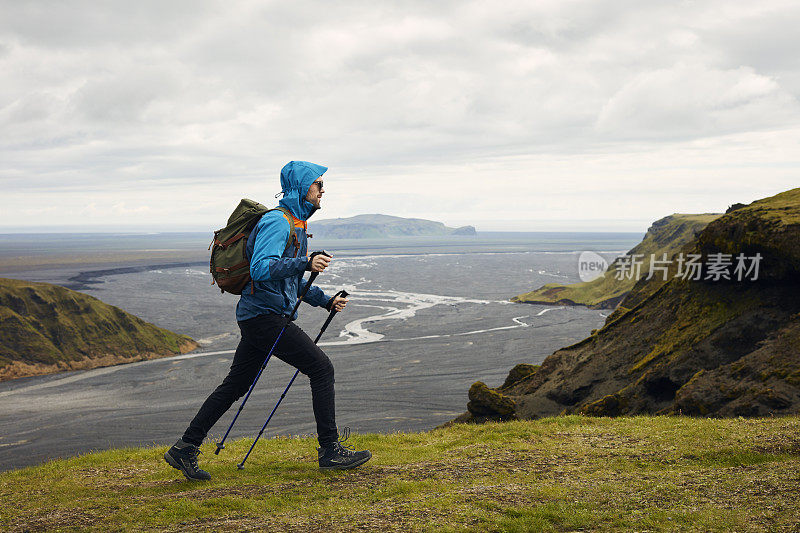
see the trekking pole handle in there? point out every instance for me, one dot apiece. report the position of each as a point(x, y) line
point(343, 293)
point(318, 252)
point(332, 313)
point(313, 275)
point(310, 281)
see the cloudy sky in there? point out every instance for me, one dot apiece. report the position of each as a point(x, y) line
point(538, 115)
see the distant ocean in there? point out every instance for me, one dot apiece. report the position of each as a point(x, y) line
point(427, 317)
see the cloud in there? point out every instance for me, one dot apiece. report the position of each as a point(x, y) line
point(103, 100)
point(93, 210)
point(691, 101)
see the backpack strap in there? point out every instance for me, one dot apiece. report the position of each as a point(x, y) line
point(289, 218)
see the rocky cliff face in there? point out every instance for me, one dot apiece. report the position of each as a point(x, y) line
point(47, 328)
point(685, 346)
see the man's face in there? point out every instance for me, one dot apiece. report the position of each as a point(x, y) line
point(315, 193)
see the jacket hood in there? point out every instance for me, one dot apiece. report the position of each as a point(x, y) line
point(296, 178)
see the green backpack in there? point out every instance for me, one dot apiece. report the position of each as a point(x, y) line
point(230, 267)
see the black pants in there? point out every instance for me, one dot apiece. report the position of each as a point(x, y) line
point(295, 348)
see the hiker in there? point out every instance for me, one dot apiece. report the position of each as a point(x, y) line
point(277, 272)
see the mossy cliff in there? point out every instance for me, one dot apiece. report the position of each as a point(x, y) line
point(47, 328)
point(665, 236)
point(707, 348)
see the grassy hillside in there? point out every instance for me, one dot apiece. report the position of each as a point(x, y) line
point(667, 235)
point(553, 474)
point(46, 328)
point(684, 346)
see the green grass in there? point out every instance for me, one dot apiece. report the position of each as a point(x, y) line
point(46, 328)
point(554, 474)
point(783, 208)
point(667, 235)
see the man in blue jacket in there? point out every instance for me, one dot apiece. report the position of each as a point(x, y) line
point(277, 270)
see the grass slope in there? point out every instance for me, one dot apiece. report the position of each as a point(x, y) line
point(47, 328)
point(551, 474)
point(667, 235)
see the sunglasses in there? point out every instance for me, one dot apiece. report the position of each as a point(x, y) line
point(318, 183)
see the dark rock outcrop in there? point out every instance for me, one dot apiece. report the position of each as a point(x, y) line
point(518, 373)
point(489, 403)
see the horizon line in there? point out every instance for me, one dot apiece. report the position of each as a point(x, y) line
point(143, 231)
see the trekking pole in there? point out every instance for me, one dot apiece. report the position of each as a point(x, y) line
point(240, 466)
point(311, 278)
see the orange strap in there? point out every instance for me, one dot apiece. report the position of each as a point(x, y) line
point(297, 224)
point(300, 223)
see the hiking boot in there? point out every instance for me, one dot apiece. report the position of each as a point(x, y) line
point(339, 457)
point(183, 456)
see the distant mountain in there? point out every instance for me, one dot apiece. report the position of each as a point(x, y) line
point(378, 226)
point(46, 328)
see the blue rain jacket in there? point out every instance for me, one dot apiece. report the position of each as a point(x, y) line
point(277, 274)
